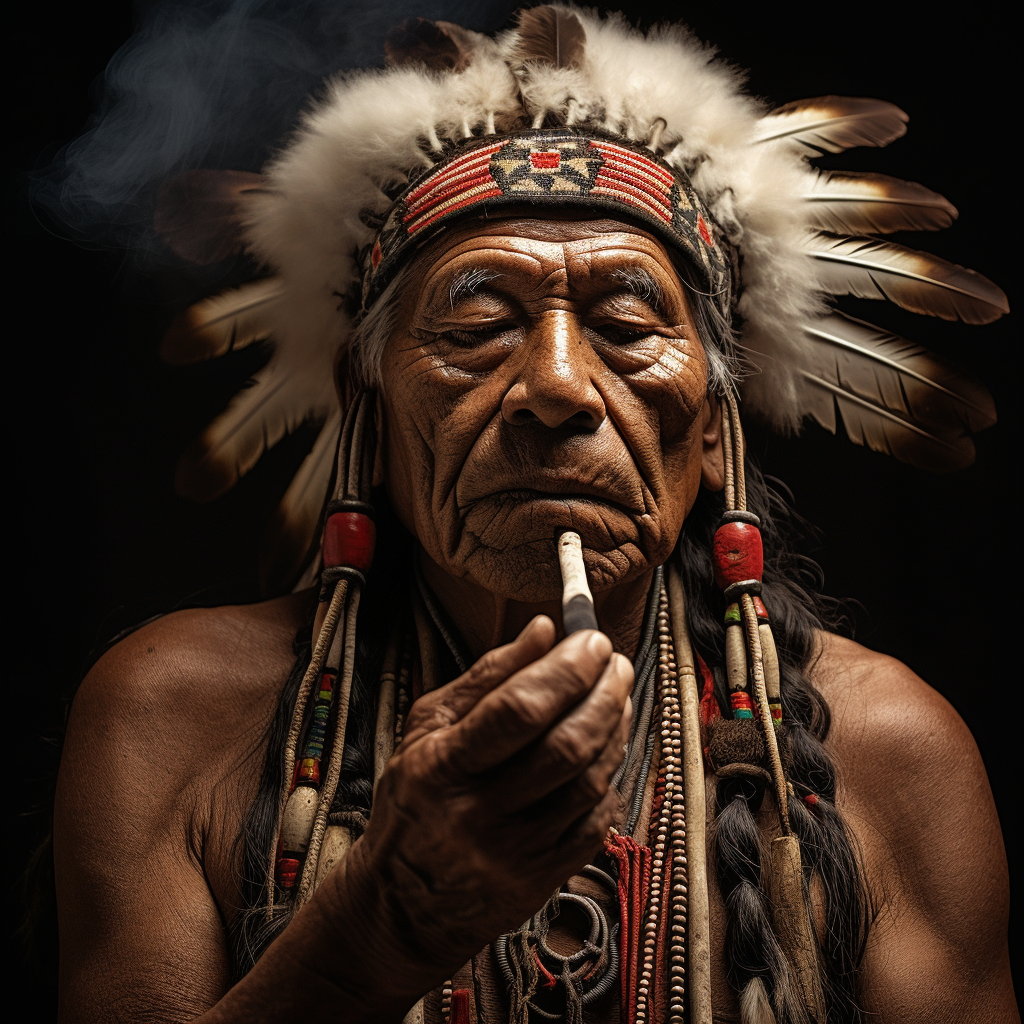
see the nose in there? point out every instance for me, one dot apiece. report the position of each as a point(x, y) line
point(554, 385)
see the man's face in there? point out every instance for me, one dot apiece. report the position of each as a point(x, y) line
point(543, 374)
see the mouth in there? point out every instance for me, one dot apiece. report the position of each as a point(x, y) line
point(532, 495)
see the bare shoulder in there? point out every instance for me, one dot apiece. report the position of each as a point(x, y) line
point(202, 672)
point(914, 792)
point(905, 758)
point(155, 777)
point(882, 710)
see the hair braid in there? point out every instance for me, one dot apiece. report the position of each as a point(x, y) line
point(828, 854)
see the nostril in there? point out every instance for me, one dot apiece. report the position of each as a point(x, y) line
point(522, 418)
point(583, 420)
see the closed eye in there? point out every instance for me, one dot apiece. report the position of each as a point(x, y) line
point(470, 337)
point(623, 333)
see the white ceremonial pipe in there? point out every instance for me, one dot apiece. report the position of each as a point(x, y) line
point(577, 601)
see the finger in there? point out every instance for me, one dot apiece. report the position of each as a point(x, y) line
point(529, 703)
point(449, 703)
point(548, 815)
point(588, 733)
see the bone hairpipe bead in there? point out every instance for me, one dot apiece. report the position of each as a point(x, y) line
point(577, 601)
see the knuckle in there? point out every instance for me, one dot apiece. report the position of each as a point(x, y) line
point(527, 706)
point(570, 748)
point(575, 674)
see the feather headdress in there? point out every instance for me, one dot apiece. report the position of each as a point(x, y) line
point(802, 235)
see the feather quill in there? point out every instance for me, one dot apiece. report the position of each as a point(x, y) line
point(852, 203)
point(550, 35)
point(892, 395)
point(257, 418)
point(222, 323)
point(831, 124)
point(917, 281)
point(292, 530)
point(198, 213)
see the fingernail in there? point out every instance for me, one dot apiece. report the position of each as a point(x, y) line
point(599, 645)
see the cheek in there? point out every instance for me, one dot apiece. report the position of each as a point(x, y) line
point(433, 413)
point(666, 382)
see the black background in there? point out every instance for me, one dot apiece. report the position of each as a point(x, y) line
point(97, 540)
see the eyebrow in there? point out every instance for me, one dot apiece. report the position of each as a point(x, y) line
point(641, 283)
point(469, 282)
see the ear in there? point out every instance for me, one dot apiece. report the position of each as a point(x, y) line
point(712, 467)
point(378, 448)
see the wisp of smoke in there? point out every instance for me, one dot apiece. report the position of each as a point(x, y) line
point(213, 83)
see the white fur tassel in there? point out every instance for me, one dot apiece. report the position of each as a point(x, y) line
point(755, 1006)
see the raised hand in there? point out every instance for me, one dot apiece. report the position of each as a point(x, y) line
point(498, 793)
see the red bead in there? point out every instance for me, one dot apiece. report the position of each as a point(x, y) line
point(738, 553)
point(762, 612)
point(349, 538)
point(460, 1006)
point(287, 869)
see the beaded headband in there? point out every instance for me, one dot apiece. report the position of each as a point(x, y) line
point(551, 167)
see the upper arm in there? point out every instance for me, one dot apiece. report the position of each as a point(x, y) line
point(918, 799)
point(140, 933)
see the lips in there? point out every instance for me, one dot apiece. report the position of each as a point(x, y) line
point(612, 484)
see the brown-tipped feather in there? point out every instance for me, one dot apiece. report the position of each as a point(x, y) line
point(917, 281)
point(831, 124)
point(865, 203)
point(222, 323)
point(254, 422)
point(550, 35)
point(892, 395)
point(197, 213)
point(291, 534)
point(440, 45)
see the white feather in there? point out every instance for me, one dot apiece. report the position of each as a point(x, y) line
point(222, 323)
point(917, 281)
point(892, 395)
point(850, 203)
point(257, 418)
point(831, 124)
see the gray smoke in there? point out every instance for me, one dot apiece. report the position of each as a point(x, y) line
point(214, 83)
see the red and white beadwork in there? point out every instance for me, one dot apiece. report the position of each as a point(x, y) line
point(543, 167)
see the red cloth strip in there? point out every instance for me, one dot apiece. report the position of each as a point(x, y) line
point(462, 183)
point(616, 183)
point(460, 1006)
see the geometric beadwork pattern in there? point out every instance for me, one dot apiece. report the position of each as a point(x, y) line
point(576, 168)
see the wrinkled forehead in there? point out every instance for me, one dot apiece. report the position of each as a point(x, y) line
point(531, 245)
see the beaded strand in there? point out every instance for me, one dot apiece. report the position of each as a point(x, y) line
point(666, 911)
point(676, 796)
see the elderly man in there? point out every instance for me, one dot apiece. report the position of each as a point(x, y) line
point(541, 340)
